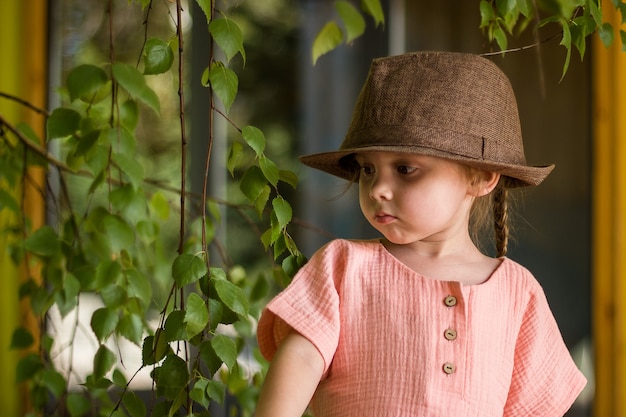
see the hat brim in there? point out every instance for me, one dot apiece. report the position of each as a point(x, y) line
point(334, 163)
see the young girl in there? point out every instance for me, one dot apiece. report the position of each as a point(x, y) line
point(420, 322)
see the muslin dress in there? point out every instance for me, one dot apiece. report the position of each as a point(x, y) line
point(396, 343)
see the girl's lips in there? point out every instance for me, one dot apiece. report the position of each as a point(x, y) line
point(383, 218)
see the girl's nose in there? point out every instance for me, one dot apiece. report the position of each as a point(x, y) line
point(380, 189)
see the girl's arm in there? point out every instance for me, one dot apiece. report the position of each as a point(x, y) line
point(292, 378)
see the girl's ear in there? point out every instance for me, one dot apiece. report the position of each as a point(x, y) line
point(484, 182)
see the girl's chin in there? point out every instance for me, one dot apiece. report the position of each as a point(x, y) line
point(396, 240)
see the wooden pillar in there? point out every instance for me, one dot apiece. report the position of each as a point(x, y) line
point(609, 222)
point(23, 27)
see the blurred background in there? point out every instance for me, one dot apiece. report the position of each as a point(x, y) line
point(569, 231)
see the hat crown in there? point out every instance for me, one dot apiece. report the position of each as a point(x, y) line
point(446, 104)
point(454, 103)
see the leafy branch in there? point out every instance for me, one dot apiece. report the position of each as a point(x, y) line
point(98, 247)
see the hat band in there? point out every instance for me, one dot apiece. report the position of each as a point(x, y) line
point(406, 138)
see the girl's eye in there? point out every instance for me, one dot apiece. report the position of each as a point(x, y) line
point(367, 170)
point(405, 169)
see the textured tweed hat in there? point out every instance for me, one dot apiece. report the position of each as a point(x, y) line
point(456, 106)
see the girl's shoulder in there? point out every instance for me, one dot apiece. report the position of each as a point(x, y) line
point(513, 273)
point(344, 246)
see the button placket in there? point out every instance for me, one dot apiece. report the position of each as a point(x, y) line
point(449, 334)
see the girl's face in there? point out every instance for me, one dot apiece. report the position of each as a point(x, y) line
point(413, 198)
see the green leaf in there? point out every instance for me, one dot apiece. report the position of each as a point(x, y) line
point(121, 140)
point(196, 316)
point(567, 43)
point(131, 327)
point(270, 170)
point(252, 183)
point(158, 57)
point(43, 242)
point(578, 32)
point(119, 379)
point(255, 138)
point(67, 299)
point(262, 200)
point(103, 322)
point(505, 7)
point(232, 296)
point(487, 14)
point(78, 405)
point(199, 394)
point(103, 362)
point(374, 9)
point(8, 201)
point(216, 391)
point(224, 83)
point(235, 156)
point(210, 358)
point(129, 114)
point(326, 40)
point(206, 6)
point(154, 349)
point(160, 206)
point(107, 272)
point(86, 143)
point(131, 167)
point(129, 78)
point(133, 404)
point(174, 328)
point(282, 210)
point(119, 233)
point(27, 367)
point(85, 82)
point(596, 13)
point(113, 296)
point(172, 376)
point(351, 18)
point(524, 7)
point(227, 34)
point(32, 136)
point(606, 34)
point(218, 274)
point(54, 382)
point(226, 349)
point(21, 339)
point(500, 37)
point(291, 264)
point(188, 269)
point(289, 177)
point(129, 202)
point(133, 81)
point(139, 286)
point(62, 123)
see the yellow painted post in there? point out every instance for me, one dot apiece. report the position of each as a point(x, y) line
point(609, 222)
point(23, 28)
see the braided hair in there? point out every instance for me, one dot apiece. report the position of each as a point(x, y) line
point(500, 219)
point(489, 216)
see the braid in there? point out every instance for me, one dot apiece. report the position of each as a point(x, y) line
point(500, 219)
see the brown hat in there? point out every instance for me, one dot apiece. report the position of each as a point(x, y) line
point(451, 105)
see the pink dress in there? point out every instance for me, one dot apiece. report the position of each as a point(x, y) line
point(396, 343)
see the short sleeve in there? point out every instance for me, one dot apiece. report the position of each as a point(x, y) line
point(545, 380)
point(309, 305)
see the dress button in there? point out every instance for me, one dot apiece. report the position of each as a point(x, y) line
point(450, 334)
point(449, 368)
point(450, 301)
